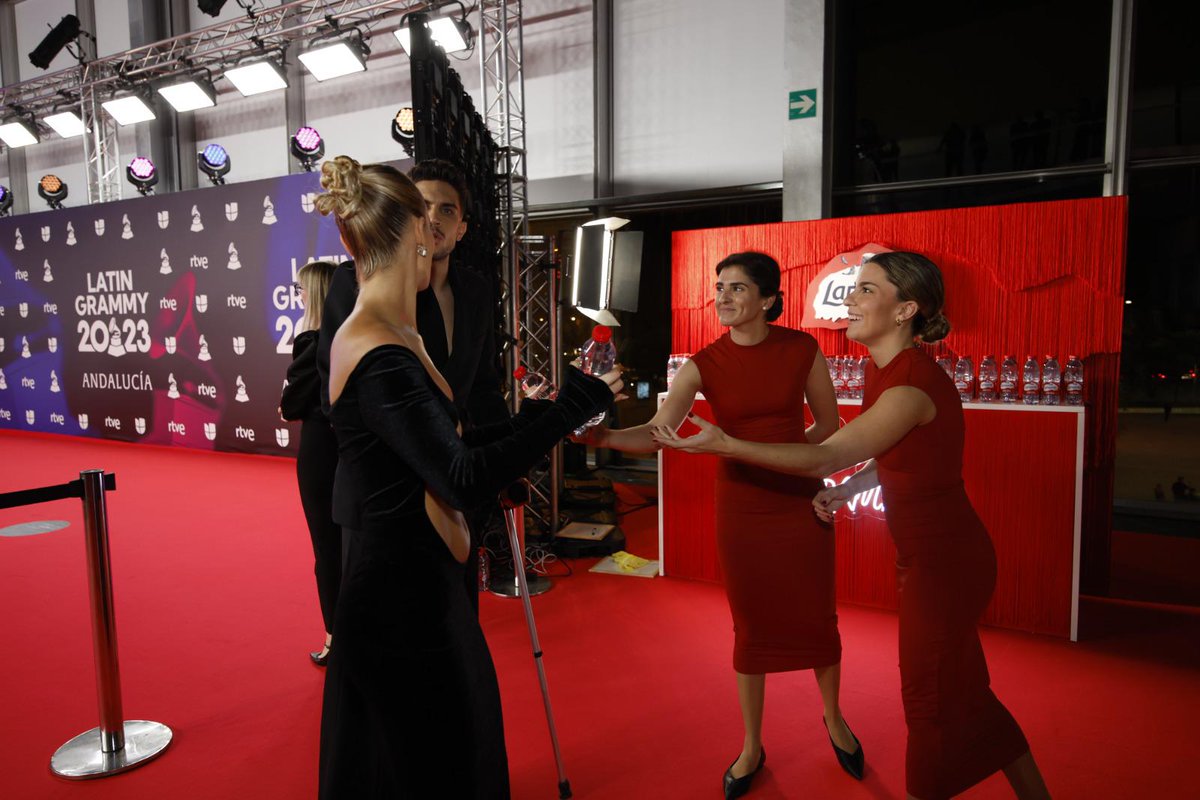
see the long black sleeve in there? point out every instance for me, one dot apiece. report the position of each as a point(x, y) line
point(486, 434)
point(398, 405)
point(303, 391)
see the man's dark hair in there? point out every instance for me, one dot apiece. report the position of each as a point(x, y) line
point(438, 169)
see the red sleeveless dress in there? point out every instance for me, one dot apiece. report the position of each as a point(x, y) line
point(776, 557)
point(958, 731)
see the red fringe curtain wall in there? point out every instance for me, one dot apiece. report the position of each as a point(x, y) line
point(1033, 278)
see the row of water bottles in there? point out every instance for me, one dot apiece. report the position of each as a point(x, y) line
point(597, 357)
point(1046, 383)
point(847, 374)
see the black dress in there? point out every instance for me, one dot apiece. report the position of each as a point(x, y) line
point(412, 707)
point(316, 462)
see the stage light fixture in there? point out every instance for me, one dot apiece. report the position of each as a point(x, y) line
point(452, 35)
point(190, 94)
point(18, 134)
point(142, 174)
point(606, 269)
point(211, 7)
point(128, 110)
point(66, 124)
point(335, 58)
point(308, 147)
point(257, 77)
point(214, 162)
point(6, 201)
point(66, 31)
point(404, 128)
point(52, 190)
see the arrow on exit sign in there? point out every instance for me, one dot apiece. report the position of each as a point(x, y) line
point(802, 103)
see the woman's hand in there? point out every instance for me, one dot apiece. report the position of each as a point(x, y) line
point(711, 439)
point(613, 379)
point(829, 500)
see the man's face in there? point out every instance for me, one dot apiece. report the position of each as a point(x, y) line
point(445, 216)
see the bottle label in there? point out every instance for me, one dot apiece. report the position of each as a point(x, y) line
point(1030, 388)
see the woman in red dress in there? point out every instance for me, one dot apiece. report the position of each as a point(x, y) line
point(777, 558)
point(910, 433)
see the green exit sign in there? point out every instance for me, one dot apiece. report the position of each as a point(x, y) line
point(802, 104)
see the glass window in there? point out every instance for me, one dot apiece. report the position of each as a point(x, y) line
point(1165, 102)
point(936, 89)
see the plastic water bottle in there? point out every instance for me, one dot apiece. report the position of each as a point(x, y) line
point(1031, 381)
point(534, 385)
point(1008, 380)
point(599, 356)
point(988, 372)
point(1073, 381)
point(860, 370)
point(1051, 381)
point(947, 365)
point(835, 373)
point(964, 378)
point(852, 377)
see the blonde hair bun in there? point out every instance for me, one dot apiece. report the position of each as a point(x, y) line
point(341, 178)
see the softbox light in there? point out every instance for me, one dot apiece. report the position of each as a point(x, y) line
point(606, 269)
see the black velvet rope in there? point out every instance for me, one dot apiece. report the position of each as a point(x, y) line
point(46, 494)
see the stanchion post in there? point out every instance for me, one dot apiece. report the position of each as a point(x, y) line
point(104, 625)
point(116, 745)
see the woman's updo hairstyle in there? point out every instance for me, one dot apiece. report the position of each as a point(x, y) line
point(373, 205)
point(764, 272)
point(918, 279)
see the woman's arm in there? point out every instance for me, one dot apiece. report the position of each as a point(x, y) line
point(671, 413)
point(398, 405)
point(897, 411)
point(822, 402)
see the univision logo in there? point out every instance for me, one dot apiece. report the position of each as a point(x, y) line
point(29, 416)
point(83, 422)
point(210, 431)
point(169, 343)
point(23, 309)
point(202, 303)
point(139, 425)
point(99, 224)
point(308, 202)
point(231, 210)
point(52, 344)
point(45, 233)
point(282, 437)
point(239, 345)
point(164, 219)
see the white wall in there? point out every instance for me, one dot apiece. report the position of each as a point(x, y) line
point(700, 97)
point(699, 91)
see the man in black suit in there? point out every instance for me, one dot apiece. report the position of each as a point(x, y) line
point(455, 317)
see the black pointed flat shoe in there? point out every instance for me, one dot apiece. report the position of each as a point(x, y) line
point(321, 657)
point(853, 763)
point(736, 787)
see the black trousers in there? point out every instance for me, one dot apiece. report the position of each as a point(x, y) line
point(316, 463)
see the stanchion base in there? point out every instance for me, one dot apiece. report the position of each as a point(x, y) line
point(82, 758)
point(507, 587)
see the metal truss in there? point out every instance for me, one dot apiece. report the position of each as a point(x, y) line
point(262, 32)
point(531, 307)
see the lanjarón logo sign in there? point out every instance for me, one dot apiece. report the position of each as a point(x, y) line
point(824, 300)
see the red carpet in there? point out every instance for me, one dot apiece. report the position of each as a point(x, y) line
point(216, 611)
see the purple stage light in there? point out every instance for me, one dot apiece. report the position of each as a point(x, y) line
point(307, 146)
point(307, 139)
point(142, 168)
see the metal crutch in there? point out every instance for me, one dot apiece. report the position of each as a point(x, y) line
point(513, 500)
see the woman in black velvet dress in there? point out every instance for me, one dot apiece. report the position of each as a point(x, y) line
point(316, 460)
point(412, 707)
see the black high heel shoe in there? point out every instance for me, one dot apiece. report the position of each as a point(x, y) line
point(321, 657)
point(736, 787)
point(854, 762)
